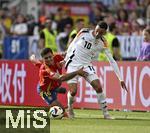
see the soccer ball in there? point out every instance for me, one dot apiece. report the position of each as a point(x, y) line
point(55, 112)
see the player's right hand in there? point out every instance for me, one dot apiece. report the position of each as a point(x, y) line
point(82, 73)
point(123, 85)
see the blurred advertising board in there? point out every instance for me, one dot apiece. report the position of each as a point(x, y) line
point(21, 47)
point(19, 80)
point(130, 46)
point(16, 47)
point(137, 78)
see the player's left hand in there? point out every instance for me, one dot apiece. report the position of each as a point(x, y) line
point(123, 85)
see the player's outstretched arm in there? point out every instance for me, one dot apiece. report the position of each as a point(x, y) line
point(115, 67)
point(35, 61)
point(68, 76)
point(33, 58)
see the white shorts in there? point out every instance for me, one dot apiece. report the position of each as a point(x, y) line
point(89, 69)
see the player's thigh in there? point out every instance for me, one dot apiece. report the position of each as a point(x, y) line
point(93, 79)
point(71, 69)
point(91, 73)
point(49, 99)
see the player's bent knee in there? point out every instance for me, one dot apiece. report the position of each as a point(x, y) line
point(73, 93)
point(99, 90)
point(73, 89)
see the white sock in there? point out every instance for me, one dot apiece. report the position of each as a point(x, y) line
point(70, 100)
point(102, 102)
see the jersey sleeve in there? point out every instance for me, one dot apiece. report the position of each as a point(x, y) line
point(38, 63)
point(84, 30)
point(58, 58)
point(47, 74)
point(113, 63)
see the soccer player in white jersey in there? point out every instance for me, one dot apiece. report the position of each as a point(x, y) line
point(81, 52)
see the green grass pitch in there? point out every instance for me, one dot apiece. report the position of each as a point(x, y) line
point(91, 121)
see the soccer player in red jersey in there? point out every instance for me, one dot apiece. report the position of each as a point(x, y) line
point(50, 70)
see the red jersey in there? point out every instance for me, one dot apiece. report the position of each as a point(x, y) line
point(47, 72)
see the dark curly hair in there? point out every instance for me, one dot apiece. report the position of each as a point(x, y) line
point(46, 51)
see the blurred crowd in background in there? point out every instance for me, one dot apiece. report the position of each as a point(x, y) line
point(125, 17)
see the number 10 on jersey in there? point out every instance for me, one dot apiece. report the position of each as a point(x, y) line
point(87, 45)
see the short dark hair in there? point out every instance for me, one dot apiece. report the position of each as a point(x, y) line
point(102, 25)
point(46, 51)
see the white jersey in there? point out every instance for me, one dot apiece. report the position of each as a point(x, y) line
point(85, 48)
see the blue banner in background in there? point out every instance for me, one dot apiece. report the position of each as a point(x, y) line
point(16, 47)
